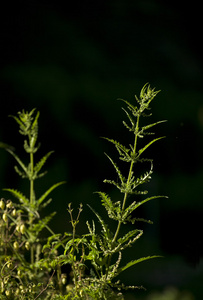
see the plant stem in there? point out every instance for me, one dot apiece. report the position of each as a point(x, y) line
point(126, 193)
point(31, 200)
point(129, 177)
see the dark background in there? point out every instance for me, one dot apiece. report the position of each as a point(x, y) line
point(72, 61)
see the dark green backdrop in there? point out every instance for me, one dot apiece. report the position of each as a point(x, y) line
point(72, 61)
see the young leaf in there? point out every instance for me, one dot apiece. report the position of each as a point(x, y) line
point(18, 160)
point(136, 205)
point(133, 233)
point(104, 226)
point(133, 262)
point(36, 228)
point(40, 164)
point(22, 198)
point(122, 179)
point(149, 144)
point(43, 197)
point(151, 125)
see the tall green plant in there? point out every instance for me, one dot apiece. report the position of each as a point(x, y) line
point(104, 250)
point(21, 223)
point(95, 257)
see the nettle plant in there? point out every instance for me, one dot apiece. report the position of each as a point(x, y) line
point(31, 265)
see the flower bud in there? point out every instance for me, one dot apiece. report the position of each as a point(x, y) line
point(9, 265)
point(9, 204)
point(27, 245)
point(18, 228)
point(63, 278)
point(8, 293)
point(2, 204)
point(16, 245)
point(13, 212)
point(22, 228)
point(5, 217)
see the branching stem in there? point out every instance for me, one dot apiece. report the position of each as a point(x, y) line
point(129, 177)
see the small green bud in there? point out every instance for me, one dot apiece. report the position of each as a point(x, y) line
point(63, 279)
point(13, 212)
point(6, 280)
point(5, 217)
point(16, 245)
point(8, 293)
point(17, 292)
point(2, 203)
point(27, 245)
point(10, 265)
point(9, 204)
point(22, 228)
point(18, 228)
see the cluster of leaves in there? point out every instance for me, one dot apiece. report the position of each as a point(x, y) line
point(32, 266)
point(24, 269)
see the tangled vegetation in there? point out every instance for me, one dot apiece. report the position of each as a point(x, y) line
point(31, 265)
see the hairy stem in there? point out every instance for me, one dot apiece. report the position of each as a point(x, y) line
point(31, 200)
point(129, 177)
point(126, 193)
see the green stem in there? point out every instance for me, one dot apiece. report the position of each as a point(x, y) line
point(129, 177)
point(126, 194)
point(31, 200)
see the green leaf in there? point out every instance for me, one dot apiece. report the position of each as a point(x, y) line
point(6, 146)
point(40, 164)
point(20, 173)
point(149, 144)
point(22, 126)
point(129, 235)
point(134, 262)
point(104, 226)
point(132, 108)
point(122, 179)
point(113, 209)
point(151, 125)
point(122, 150)
point(36, 228)
point(136, 205)
point(22, 198)
point(43, 197)
point(18, 160)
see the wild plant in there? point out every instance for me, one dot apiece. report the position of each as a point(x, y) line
point(22, 270)
point(104, 248)
point(30, 267)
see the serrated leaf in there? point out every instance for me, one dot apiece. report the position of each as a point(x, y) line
point(136, 205)
point(129, 235)
point(134, 262)
point(112, 182)
point(42, 161)
point(122, 179)
point(43, 197)
point(122, 150)
point(18, 121)
point(151, 125)
point(104, 226)
point(42, 223)
point(113, 209)
point(20, 173)
point(22, 198)
point(131, 107)
point(18, 160)
point(149, 144)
